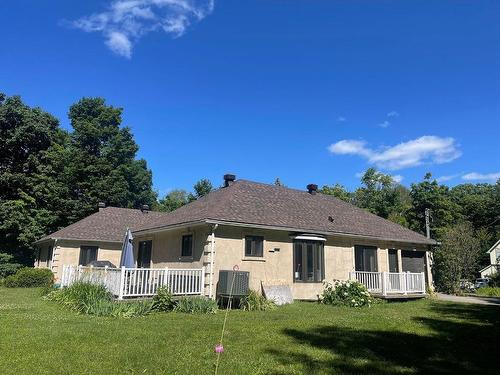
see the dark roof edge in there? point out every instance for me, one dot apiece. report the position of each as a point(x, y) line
point(290, 229)
point(46, 239)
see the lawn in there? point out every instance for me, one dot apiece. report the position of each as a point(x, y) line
point(425, 336)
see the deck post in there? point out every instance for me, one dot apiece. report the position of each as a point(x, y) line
point(423, 282)
point(405, 284)
point(122, 283)
point(384, 286)
point(202, 281)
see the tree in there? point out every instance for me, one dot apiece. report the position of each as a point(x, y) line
point(31, 146)
point(381, 195)
point(429, 194)
point(102, 161)
point(172, 201)
point(201, 188)
point(457, 258)
point(338, 191)
point(278, 182)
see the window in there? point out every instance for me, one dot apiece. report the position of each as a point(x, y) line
point(87, 254)
point(254, 246)
point(365, 258)
point(187, 245)
point(144, 254)
point(308, 261)
point(393, 260)
point(50, 251)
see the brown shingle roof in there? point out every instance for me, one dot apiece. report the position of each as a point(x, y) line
point(109, 224)
point(254, 203)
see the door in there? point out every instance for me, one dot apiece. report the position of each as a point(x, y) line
point(144, 254)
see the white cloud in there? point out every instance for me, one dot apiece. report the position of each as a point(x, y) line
point(397, 178)
point(341, 119)
point(393, 114)
point(384, 124)
point(126, 21)
point(481, 176)
point(447, 177)
point(427, 149)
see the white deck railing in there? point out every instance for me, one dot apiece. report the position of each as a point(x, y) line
point(391, 282)
point(138, 282)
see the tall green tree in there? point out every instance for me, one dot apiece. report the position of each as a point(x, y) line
point(457, 258)
point(444, 211)
point(383, 196)
point(102, 161)
point(31, 190)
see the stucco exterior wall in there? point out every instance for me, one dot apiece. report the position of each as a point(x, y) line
point(68, 252)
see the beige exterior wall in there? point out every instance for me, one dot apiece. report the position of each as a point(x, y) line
point(276, 265)
point(68, 252)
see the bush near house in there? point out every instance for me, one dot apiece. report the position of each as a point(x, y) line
point(192, 305)
point(488, 291)
point(94, 299)
point(163, 300)
point(256, 302)
point(7, 265)
point(346, 293)
point(30, 278)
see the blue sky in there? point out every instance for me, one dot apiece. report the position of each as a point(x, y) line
point(308, 91)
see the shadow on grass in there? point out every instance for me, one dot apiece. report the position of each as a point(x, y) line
point(465, 340)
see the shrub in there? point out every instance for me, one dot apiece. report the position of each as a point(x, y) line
point(346, 293)
point(81, 296)
point(192, 305)
point(30, 277)
point(254, 301)
point(7, 266)
point(488, 291)
point(163, 300)
point(94, 299)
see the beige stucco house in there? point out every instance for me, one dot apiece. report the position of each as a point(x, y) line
point(279, 235)
point(494, 266)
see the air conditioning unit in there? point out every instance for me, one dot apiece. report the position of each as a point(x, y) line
point(239, 281)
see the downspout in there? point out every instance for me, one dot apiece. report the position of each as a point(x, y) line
point(212, 259)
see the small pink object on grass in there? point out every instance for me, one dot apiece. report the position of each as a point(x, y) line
point(219, 348)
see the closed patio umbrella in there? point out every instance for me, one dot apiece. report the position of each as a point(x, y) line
point(127, 258)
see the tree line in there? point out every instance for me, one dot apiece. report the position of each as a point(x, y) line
point(51, 177)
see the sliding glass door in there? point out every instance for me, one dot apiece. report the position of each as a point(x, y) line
point(308, 261)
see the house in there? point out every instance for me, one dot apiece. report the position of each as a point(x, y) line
point(279, 235)
point(96, 237)
point(494, 265)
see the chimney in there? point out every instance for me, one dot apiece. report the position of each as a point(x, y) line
point(229, 179)
point(145, 208)
point(312, 188)
point(101, 206)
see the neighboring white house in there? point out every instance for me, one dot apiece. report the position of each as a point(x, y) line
point(494, 265)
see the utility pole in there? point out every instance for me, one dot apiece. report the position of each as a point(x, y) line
point(427, 222)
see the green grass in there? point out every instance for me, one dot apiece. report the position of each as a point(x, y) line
point(41, 337)
point(488, 292)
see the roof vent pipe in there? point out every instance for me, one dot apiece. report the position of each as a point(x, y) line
point(229, 179)
point(312, 188)
point(101, 206)
point(145, 208)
